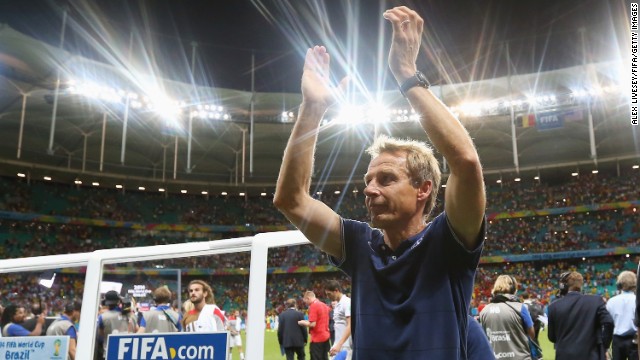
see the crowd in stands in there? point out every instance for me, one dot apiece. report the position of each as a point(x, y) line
point(507, 235)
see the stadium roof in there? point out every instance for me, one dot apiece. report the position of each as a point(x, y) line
point(555, 135)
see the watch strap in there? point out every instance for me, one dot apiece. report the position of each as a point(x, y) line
point(418, 79)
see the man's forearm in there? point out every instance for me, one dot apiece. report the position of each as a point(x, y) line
point(297, 164)
point(446, 133)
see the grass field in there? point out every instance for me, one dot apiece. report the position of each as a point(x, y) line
point(272, 350)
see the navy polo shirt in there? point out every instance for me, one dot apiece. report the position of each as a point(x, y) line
point(411, 303)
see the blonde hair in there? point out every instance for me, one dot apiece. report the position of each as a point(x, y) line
point(422, 165)
point(627, 281)
point(505, 284)
point(209, 299)
point(187, 306)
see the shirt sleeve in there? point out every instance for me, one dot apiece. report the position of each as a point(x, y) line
point(71, 331)
point(17, 330)
point(313, 313)
point(526, 317)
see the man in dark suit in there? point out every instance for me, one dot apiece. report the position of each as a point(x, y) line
point(291, 336)
point(579, 325)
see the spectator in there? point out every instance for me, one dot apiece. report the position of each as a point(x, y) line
point(13, 316)
point(113, 320)
point(579, 325)
point(162, 318)
point(66, 325)
point(506, 321)
point(292, 337)
point(318, 325)
point(622, 308)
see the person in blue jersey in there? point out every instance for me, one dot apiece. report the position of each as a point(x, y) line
point(412, 274)
point(13, 316)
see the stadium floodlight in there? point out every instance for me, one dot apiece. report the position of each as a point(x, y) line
point(574, 174)
point(141, 188)
point(242, 194)
point(47, 178)
point(263, 194)
point(337, 192)
point(594, 171)
point(95, 183)
point(118, 186)
point(21, 175)
point(224, 193)
point(516, 179)
point(499, 181)
point(318, 192)
point(161, 189)
point(77, 182)
point(183, 191)
point(443, 185)
point(635, 166)
point(205, 193)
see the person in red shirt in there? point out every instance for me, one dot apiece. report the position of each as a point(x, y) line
point(318, 325)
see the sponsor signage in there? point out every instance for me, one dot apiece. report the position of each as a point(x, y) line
point(169, 346)
point(34, 347)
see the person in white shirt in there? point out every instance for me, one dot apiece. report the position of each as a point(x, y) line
point(341, 318)
point(622, 308)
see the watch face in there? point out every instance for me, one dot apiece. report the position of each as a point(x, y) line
point(421, 78)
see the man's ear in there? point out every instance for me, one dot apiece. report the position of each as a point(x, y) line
point(424, 190)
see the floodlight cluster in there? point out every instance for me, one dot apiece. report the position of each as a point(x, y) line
point(159, 103)
point(532, 103)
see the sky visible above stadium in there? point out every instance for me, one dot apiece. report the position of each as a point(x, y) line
point(464, 39)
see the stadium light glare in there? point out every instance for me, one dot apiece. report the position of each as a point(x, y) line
point(205, 193)
point(516, 179)
point(263, 194)
point(635, 166)
point(183, 191)
point(574, 174)
point(77, 182)
point(499, 181)
point(141, 188)
point(47, 178)
point(242, 194)
point(95, 183)
point(536, 177)
point(21, 175)
point(118, 186)
point(224, 193)
point(337, 192)
point(318, 192)
point(443, 185)
point(594, 171)
point(161, 190)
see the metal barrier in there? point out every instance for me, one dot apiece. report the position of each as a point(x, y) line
point(258, 245)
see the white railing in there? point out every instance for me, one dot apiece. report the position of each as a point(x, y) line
point(258, 245)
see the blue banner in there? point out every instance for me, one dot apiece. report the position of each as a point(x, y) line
point(550, 121)
point(34, 347)
point(169, 346)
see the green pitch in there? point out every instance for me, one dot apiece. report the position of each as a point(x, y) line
point(272, 349)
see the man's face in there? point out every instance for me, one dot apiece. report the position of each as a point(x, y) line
point(76, 316)
point(196, 293)
point(391, 198)
point(332, 295)
point(19, 316)
point(307, 300)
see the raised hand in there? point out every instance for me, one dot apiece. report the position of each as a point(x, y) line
point(405, 45)
point(316, 84)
